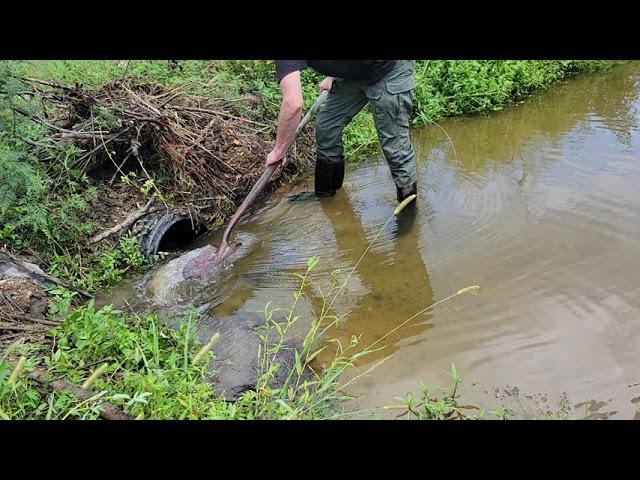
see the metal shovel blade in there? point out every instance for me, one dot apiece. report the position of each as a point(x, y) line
point(208, 259)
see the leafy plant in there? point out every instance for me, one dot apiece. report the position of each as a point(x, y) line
point(437, 407)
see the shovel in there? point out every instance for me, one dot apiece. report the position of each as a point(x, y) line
point(212, 255)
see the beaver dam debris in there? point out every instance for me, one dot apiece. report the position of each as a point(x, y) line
point(194, 152)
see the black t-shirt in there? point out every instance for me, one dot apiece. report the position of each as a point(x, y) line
point(365, 71)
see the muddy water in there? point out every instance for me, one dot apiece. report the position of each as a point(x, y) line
point(538, 204)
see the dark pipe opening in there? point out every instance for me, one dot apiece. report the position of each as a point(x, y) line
point(179, 236)
point(168, 231)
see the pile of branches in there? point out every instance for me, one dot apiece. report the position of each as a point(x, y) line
point(210, 155)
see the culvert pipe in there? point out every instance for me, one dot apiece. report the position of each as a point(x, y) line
point(167, 231)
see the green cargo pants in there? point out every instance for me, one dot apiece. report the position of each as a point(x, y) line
point(390, 103)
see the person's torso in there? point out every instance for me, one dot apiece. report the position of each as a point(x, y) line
point(364, 71)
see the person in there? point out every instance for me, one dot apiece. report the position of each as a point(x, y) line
point(387, 85)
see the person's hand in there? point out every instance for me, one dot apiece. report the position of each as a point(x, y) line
point(326, 84)
point(275, 156)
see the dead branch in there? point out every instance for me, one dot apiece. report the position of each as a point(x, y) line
point(208, 149)
point(16, 316)
point(45, 82)
point(222, 114)
point(130, 220)
point(102, 145)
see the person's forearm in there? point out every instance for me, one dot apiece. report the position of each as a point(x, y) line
point(288, 121)
point(288, 118)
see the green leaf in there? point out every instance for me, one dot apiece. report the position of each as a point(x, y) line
point(120, 396)
point(311, 263)
point(298, 363)
point(3, 371)
point(285, 405)
point(316, 353)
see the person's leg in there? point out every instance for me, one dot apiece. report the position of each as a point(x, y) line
point(345, 100)
point(392, 106)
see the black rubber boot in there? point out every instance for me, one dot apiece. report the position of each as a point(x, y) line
point(324, 177)
point(329, 177)
point(338, 175)
point(403, 193)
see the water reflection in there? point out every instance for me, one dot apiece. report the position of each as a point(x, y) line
point(392, 279)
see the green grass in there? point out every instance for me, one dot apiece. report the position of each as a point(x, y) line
point(153, 371)
point(145, 369)
point(441, 406)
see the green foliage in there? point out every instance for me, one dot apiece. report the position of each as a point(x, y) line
point(31, 214)
point(35, 212)
point(105, 119)
point(103, 266)
point(437, 407)
point(143, 369)
point(502, 413)
point(44, 206)
point(307, 391)
point(447, 88)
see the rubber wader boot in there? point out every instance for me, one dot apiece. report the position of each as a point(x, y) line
point(329, 177)
point(407, 191)
point(338, 175)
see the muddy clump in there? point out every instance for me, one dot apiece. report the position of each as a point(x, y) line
point(23, 308)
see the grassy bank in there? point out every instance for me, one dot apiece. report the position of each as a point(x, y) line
point(102, 361)
point(108, 364)
point(105, 360)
